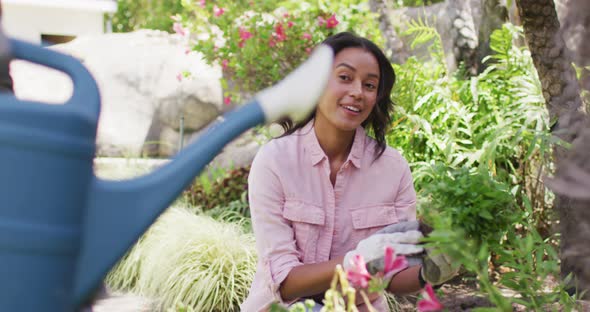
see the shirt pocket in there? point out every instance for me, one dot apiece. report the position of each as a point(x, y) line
point(367, 220)
point(307, 221)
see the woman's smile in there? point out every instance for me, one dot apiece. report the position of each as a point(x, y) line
point(351, 93)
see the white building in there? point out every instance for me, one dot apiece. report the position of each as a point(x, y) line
point(56, 21)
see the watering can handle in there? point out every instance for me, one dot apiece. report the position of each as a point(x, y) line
point(85, 99)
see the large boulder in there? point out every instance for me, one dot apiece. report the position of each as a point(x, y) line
point(143, 96)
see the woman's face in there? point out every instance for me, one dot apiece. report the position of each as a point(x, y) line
point(351, 92)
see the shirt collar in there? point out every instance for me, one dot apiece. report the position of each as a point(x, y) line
point(316, 154)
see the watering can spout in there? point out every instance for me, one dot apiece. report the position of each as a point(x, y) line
point(119, 212)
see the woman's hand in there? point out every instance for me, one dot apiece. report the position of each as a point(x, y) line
point(373, 247)
point(437, 267)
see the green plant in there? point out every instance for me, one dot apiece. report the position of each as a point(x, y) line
point(475, 202)
point(225, 188)
point(496, 120)
point(153, 14)
point(237, 211)
point(191, 261)
point(528, 260)
point(258, 42)
point(414, 3)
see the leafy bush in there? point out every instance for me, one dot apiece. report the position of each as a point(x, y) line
point(258, 43)
point(152, 14)
point(474, 202)
point(495, 127)
point(496, 120)
point(189, 260)
point(527, 260)
point(221, 191)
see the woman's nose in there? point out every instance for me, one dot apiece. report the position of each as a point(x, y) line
point(356, 90)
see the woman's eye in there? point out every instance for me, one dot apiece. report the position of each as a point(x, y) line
point(344, 77)
point(371, 86)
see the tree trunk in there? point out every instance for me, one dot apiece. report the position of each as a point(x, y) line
point(562, 95)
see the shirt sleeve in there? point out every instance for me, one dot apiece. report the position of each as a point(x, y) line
point(275, 239)
point(405, 201)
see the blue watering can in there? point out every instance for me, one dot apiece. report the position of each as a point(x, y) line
point(62, 228)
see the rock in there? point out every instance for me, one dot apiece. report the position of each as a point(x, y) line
point(142, 99)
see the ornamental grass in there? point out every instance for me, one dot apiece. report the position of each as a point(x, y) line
point(191, 261)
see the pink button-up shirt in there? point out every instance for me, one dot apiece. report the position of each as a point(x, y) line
point(298, 217)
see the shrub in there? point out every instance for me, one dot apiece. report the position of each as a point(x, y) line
point(189, 260)
point(496, 120)
point(474, 202)
point(220, 191)
point(152, 14)
point(258, 42)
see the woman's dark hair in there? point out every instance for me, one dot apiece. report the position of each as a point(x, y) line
point(380, 117)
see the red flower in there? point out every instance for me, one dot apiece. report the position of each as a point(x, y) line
point(217, 11)
point(244, 35)
point(224, 64)
point(280, 32)
point(227, 100)
point(331, 22)
point(358, 274)
point(290, 24)
point(429, 302)
point(306, 36)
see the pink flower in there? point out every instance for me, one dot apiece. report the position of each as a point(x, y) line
point(321, 21)
point(306, 36)
point(217, 11)
point(286, 15)
point(224, 64)
point(187, 51)
point(429, 302)
point(227, 100)
point(177, 27)
point(358, 274)
point(244, 34)
point(290, 24)
point(308, 51)
point(393, 263)
point(202, 3)
point(272, 43)
point(331, 22)
point(179, 77)
point(280, 32)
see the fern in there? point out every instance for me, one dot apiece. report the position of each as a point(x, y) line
point(424, 33)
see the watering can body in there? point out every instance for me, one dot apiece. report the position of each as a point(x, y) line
point(46, 154)
point(62, 228)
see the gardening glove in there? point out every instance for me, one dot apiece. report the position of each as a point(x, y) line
point(373, 247)
point(414, 259)
point(437, 267)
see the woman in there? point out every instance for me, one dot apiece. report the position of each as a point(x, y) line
point(324, 186)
